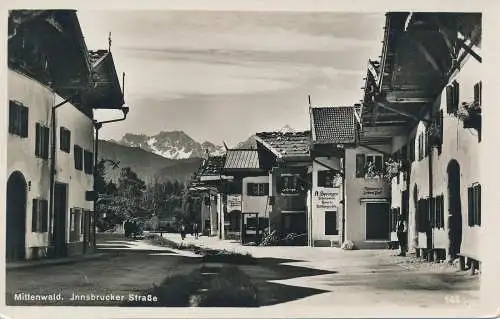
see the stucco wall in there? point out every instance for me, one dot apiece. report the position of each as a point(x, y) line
point(21, 151)
point(355, 219)
point(324, 199)
point(255, 204)
point(458, 144)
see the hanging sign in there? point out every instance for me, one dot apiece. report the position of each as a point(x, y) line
point(233, 202)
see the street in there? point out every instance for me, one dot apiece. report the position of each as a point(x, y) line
point(285, 276)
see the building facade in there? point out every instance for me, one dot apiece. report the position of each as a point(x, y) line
point(50, 160)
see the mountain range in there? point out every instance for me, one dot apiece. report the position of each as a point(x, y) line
point(167, 156)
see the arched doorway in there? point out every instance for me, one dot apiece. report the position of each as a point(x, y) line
point(16, 217)
point(454, 209)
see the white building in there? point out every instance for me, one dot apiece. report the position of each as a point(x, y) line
point(50, 142)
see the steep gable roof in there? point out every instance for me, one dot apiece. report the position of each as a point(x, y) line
point(289, 145)
point(242, 159)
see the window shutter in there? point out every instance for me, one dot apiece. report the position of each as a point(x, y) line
point(470, 206)
point(12, 116)
point(24, 121)
point(360, 165)
point(476, 93)
point(45, 211)
point(46, 138)
point(456, 95)
point(433, 212)
point(266, 189)
point(249, 189)
point(449, 99)
point(38, 138)
point(34, 215)
point(479, 205)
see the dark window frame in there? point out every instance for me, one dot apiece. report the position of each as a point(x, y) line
point(42, 141)
point(88, 162)
point(325, 178)
point(78, 157)
point(257, 189)
point(39, 217)
point(18, 119)
point(64, 139)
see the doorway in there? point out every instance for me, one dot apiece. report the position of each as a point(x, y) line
point(454, 209)
point(60, 209)
point(378, 221)
point(16, 217)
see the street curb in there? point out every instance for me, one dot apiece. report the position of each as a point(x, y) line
point(52, 262)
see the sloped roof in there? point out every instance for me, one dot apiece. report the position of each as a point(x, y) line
point(107, 93)
point(336, 125)
point(212, 166)
point(289, 145)
point(242, 159)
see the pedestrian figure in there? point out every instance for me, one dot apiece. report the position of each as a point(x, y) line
point(402, 232)
point(195, 230)
point(126, 228)
point(183, 232)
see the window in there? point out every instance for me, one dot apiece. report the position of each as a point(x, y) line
point(478, 93)
point(88, 159)
point(326, 178)
point(74, 224)
point(39, 217)
point(291, 184)
point(474, 200)
point(371, 165)
point(78, 153)
point(65, 139)
point(258, 189)
point(42, 141)
point(331, 223)
point(452, 97)
point(437, 212)
point(18, 119)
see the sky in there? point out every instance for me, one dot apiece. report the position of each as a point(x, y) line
point(225, 75)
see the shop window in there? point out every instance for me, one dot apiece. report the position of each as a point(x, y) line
point(331, 227)
point(40, 210)
point(75, 224)
point(18, 119)
point(291, 184)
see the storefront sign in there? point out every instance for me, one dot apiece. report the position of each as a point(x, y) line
point(326, 198)
point(373, 192)
point(233, 202)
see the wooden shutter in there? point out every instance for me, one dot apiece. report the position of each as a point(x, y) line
point(470, 209)
point(479, 205)
point(478, 93)
point(360, 165)
point(24, 121)
point(45, 213)
point(12, 117)
point(38, 140)
point(266, 189)
point(456, 95)
point(34, 215)
point(449, 99)
point(45, 142)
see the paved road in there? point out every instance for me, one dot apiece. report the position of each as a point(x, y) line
point(365, 278)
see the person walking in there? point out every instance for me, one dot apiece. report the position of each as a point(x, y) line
point(402, 232)
point(183, 232)
point(195, 230)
